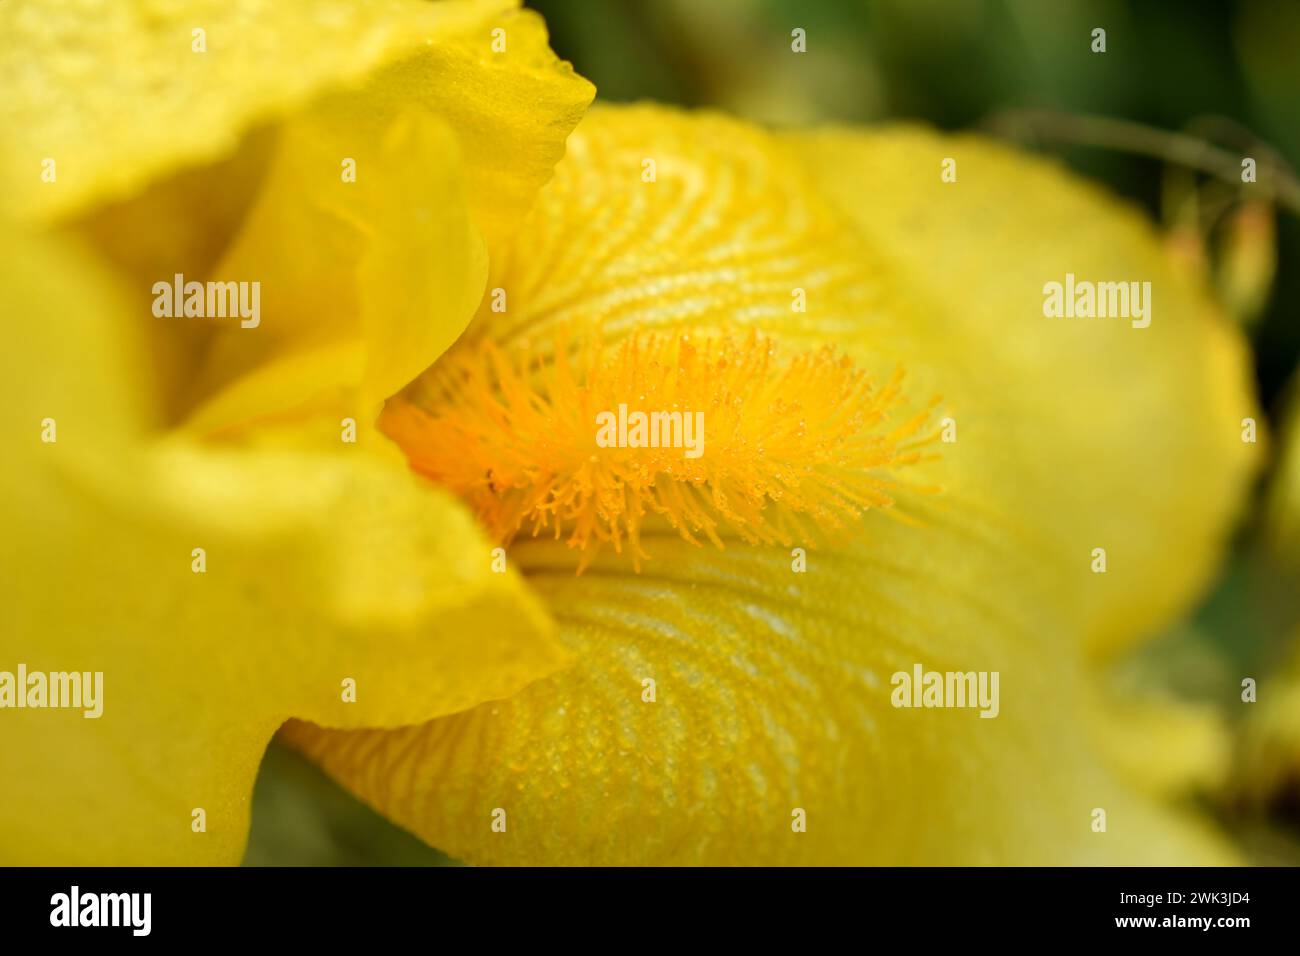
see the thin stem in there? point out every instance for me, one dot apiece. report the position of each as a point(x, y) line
point(1275, 179)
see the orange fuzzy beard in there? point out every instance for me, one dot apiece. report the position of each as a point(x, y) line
point(788, 443)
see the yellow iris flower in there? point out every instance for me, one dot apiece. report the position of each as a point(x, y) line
point(182, 514)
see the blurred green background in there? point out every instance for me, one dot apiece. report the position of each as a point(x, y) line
point(1222, 73)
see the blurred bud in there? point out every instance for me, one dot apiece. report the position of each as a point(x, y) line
point(1247, 262)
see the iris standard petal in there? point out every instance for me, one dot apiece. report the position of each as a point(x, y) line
point(289, 169)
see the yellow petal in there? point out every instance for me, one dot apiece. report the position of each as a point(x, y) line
point(771, 694)
point(74, 93)
point(1109, 436)
point(362, 283)
point(422, 267)
point(316, 570)
point(1165, 746)
point(772, 687)
point(512, 103)
point(240, 167)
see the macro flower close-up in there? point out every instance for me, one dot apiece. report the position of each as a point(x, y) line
point(416, 454)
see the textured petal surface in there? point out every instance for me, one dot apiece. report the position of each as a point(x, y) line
point(772, 687)
point(318, 569)
point(772, 693)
